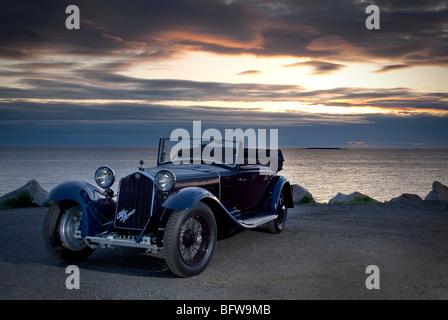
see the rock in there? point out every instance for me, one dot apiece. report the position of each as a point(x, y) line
point(350, 198)
point(406, 197)
point(33, 188)
point(340, 198)
point(439, 192)
point(298, 192)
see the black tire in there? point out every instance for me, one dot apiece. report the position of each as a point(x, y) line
point(277, 225)
point(189, 240)
point(60, 225)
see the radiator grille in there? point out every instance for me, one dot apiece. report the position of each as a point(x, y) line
point(135, 200)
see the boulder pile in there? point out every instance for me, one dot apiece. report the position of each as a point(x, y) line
point(439, 192)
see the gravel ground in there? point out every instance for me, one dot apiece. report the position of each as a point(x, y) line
point(322, 254)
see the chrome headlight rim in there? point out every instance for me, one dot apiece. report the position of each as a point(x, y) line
point(104, 177)
point(165, 180)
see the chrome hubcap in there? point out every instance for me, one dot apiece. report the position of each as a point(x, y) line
point(70, 228)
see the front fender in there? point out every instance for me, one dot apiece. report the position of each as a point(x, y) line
point(85, 194)
point(186, 198)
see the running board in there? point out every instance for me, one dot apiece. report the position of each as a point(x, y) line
point(257, 220)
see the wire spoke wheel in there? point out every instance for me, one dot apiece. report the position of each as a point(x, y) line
point(189, 240)
point(194, 239)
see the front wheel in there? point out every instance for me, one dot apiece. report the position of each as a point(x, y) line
point(62, 228)
point(189, 240)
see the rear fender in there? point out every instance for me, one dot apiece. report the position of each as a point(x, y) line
point(282, 184)
point(86, 195)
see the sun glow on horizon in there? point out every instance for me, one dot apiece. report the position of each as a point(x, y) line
point(336, 91)
point(212, 67)
point(255, 106)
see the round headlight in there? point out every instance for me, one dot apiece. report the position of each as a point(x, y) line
point(165, 180)
point(105, 177)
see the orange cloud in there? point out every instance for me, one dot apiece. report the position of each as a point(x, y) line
point(202, 36)
point(249, 72)
point(120, 40)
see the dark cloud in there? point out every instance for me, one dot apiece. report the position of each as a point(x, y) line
point(320, 67)
point(43, 60)
point(146, 30)
point(136, 29)
point(149, 114)
point(99, 85)
point(25, 123)
point(135, 124)
point(381, 131)
point(392, 67)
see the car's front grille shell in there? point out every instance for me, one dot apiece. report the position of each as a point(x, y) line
point(136, 192)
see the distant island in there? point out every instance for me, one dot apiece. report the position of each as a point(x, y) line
point(326, 148)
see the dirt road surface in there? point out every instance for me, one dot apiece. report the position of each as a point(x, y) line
point(323, 253)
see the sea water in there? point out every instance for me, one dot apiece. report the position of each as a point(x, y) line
point(380, 173)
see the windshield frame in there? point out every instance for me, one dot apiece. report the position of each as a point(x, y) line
point(162, 153)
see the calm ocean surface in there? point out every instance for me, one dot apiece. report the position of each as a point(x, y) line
point(379, 173)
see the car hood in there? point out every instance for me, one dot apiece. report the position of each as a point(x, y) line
point(187, 171)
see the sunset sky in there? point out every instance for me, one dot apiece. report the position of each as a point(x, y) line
point(136, 70)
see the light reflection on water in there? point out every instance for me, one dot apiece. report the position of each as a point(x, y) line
point(379, 173)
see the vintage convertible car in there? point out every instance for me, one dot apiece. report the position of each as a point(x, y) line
point(178, 207)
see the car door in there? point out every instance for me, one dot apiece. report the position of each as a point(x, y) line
point(251, 188)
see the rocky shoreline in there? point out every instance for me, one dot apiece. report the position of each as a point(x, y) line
point(301, 196)
point(439, 192)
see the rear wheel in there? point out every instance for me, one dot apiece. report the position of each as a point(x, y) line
point(189, 240)
point(62, 228)
point(277, 225)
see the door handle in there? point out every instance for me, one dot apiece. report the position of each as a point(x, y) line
point(241, 180)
